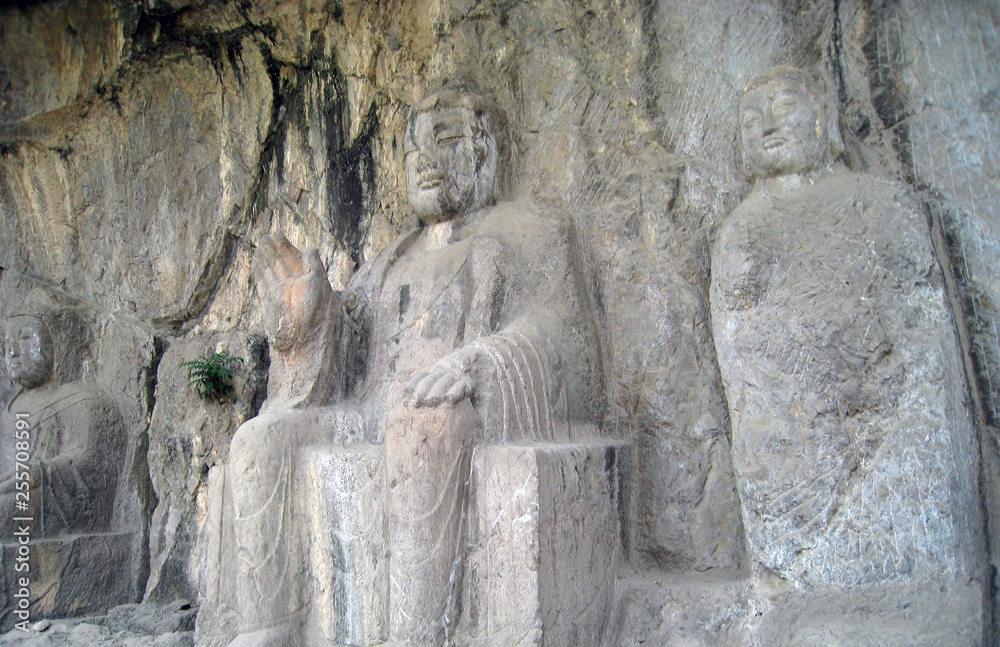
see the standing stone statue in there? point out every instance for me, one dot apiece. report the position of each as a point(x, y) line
point(853, 449)
point(465, 331)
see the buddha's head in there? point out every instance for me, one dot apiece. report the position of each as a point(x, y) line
point(456, 153)
point(786, 125)
point(28, 350)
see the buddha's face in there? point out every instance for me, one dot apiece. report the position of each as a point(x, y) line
point(27, 351)
point(451, 164)
point(783, 128)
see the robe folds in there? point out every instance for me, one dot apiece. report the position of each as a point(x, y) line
point(497, 296)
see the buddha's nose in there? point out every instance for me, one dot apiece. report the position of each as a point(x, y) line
point(769, 125)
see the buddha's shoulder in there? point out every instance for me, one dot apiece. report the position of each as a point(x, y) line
point(83, 395)
point(866, 186)
point(524, 224)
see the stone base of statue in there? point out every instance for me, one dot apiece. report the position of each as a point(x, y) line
point(544, 540)
point(546, 535)
point(67, 577)
point(350, 557)
point(945, 610)
point(730, 609)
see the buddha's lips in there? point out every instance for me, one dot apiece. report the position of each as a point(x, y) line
point(774, 141)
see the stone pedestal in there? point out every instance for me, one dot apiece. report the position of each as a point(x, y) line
point(73, 576)
point(544, 533)
point(947, 610)
point(350, 555)
point(546, 536)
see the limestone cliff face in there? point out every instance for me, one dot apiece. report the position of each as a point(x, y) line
point(145, 148)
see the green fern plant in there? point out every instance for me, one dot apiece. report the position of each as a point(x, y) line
point(212, 377)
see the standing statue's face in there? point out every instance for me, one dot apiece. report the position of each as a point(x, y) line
point(783, 128)
point(28, 351)
point(451, 164)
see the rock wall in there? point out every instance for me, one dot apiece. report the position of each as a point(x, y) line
point(144, 149)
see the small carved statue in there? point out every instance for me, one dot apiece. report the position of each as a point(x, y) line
point(74, 441)
point(466, 330)
point(853, 450)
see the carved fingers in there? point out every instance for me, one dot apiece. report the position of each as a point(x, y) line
point(293, 287)
point(277, 260)
point(446, 382)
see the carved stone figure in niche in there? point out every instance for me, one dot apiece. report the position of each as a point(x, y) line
point(466, 330)
point(75, 439)
point(853, 451)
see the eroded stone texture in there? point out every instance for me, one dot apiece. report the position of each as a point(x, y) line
point(352, 550)
point(929, 67)
point(546, 543)
point(213, 124)
point(67, 443)
point(129, 625)
point(852, 444)
point(43, 69)
point(465, 331)
point(189, 435)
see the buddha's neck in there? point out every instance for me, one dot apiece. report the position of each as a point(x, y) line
point(782, 185)
point(438, 235)
point(30, 397)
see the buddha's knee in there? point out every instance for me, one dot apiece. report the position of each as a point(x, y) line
point(245, 444)
point(257, 452)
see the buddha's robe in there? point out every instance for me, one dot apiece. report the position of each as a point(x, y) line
point(501, 288)
point(854, 454)
point(76, 446)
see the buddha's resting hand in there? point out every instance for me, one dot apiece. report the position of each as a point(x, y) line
point(446, 382)
point(294, 290)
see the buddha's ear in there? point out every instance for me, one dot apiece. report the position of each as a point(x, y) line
point(744, 164)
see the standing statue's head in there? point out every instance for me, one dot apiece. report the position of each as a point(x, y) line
point(28, 350)
point(786, 125)
point(456, 154)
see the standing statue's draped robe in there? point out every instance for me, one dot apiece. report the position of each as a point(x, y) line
point(853, 450)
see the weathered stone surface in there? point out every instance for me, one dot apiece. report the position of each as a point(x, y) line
point(466, 330)
point(682, 610)
point(75, 576)
point(853, 449)
point(547, 537)
point(188, 435)
point(56, 55)
point(343, 509)
point(67, 462)
point(894, 613)
point(146, 150)
point(352, 544)
point(130, 625)
point(152, 619)
point(929, 68)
